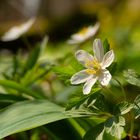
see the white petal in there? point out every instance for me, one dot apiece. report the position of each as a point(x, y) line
point(92, 30)
point(105, 77)
point(71, 42)
point(83, 57)
point(98, 49)
point(80, 77)
point(78, 37)
point(88, 85)
point(108, 59)
point(16, 31)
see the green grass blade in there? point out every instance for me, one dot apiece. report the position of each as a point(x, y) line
point(27, 115)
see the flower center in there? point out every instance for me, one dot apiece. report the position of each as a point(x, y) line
point(93, 67)
point(83, 31)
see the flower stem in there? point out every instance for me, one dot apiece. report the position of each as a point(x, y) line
point(51, 88)
point(122, 88)
point(131, 125)
point(109, 91)
point(77, 127)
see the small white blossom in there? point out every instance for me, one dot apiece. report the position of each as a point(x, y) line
point(95, 67)
point(16, 31)
point(84, 34)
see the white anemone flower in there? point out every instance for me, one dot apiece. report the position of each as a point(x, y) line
point(84, 34)
point(95, 67)
point(17, 31)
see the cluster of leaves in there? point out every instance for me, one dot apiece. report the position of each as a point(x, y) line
point(22, 76)
point(113, 123)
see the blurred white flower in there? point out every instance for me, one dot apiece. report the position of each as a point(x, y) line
point(95, 67)
point(84, 34)
point(17, 31)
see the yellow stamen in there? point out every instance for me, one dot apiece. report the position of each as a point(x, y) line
point(91, 71)
point(94, 64)
point(89, 64)
point(83, 31)
point(93, 67)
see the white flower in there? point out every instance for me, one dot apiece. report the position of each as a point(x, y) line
point(16, 31)
point(84, 34)
point(95, 67)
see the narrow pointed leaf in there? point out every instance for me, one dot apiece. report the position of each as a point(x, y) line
point(32, 59)
point(27, 115)
point(106, 45)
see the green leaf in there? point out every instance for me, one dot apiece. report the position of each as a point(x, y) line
point(90, 105)
point(32, 59)
point(10, 98)
point(43, 45)
point(75, 64)
point(106, 45)
point(132, 77)
point(95, 133)
point(84, 101)
point(123, 108)
point(64, 73)
point(13, 71)
point(27, 115)
point(7, 99)
point(107, 136)
point(15, 65)
point(18, 87)
point(99, 132)
point(96, 102)
point(113, 68)
point(137, 106)
point(35, 74)
point(76, 101)
point(114, 126)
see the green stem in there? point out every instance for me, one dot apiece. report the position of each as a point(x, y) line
point(106, 114)
point(109, 91)
point(49, 133)
point(122, 88)
point(51, 89)
point(131, 125)
point(77, 127)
